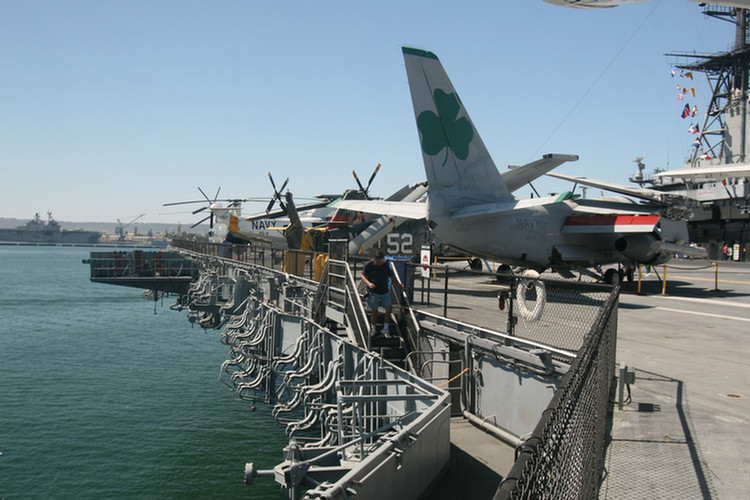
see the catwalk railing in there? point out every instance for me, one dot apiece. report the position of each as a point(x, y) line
point(358, 425)
point(535, 340)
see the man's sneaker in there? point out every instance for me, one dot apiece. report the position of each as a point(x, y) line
point(372, 331)
point(386, 331)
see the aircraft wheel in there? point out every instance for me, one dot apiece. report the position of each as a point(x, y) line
point(503, 274)
point(475, 265)
point(612, 277)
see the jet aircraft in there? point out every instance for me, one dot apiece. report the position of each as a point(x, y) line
point(471, 207)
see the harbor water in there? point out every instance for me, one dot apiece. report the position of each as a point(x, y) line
point(100, 398)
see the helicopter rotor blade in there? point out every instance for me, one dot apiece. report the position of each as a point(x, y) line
point(200, 221)
point(199, 210)
point(204, 195)
point(272, 183)
point(270, 204)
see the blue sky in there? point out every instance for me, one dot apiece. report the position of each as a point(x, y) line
point(110, 109)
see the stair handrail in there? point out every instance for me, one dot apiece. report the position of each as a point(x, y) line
point(355, 311)
point(412, 330)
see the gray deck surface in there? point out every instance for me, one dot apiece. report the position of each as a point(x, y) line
point(478, 463)
point(687, 430)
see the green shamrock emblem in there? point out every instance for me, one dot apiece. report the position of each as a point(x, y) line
point(444, 130)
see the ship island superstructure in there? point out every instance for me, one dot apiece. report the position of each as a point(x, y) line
point(720, 202)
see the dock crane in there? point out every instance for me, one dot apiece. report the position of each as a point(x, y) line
point(121, 227)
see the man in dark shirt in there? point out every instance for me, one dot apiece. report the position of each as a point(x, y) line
point(375, 275)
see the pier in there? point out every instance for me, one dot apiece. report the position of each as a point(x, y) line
point(487, 389)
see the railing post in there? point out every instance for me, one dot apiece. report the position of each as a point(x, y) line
point(445, 295)
point(511, 299)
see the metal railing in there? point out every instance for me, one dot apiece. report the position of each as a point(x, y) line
point(139, 263)
point(352, 418)
point(532, 326)
point(297, 262)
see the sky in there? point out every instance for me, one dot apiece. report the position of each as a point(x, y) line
point(110, 109)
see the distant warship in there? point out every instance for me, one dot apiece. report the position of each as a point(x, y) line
point(39, 231)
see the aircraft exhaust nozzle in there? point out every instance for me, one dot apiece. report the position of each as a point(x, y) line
point(643, 248)
point(646, 249)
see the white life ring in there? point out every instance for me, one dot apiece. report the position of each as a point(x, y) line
point(534, 313)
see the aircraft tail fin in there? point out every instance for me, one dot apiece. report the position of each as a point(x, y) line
point(455, 158)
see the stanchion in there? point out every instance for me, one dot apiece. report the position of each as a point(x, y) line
point(640, 278)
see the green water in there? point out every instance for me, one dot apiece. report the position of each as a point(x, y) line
point(101, 398)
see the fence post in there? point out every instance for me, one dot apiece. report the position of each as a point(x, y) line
point(511, 298)
point(445, 295)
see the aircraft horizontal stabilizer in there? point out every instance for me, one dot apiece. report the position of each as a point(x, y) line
point(518, 177)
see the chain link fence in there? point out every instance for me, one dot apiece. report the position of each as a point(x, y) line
point(554, 312)
point(563, 458)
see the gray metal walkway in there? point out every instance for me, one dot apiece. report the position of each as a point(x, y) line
point(653, 452)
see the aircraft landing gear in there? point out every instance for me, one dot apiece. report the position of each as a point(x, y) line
point(475, 265)
point(612, 277)
point(629, 274)
point(502, 274)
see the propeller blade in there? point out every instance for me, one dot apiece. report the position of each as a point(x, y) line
point(372, 177)
point(284, 185)
point(211, 221)
point(199, 210)
point(361, 188)
point(217, 192)
point(204, 195)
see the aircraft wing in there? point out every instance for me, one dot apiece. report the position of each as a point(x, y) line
point(517, 177)
point(636, 192)
point(713, 173)
point(405, 209)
